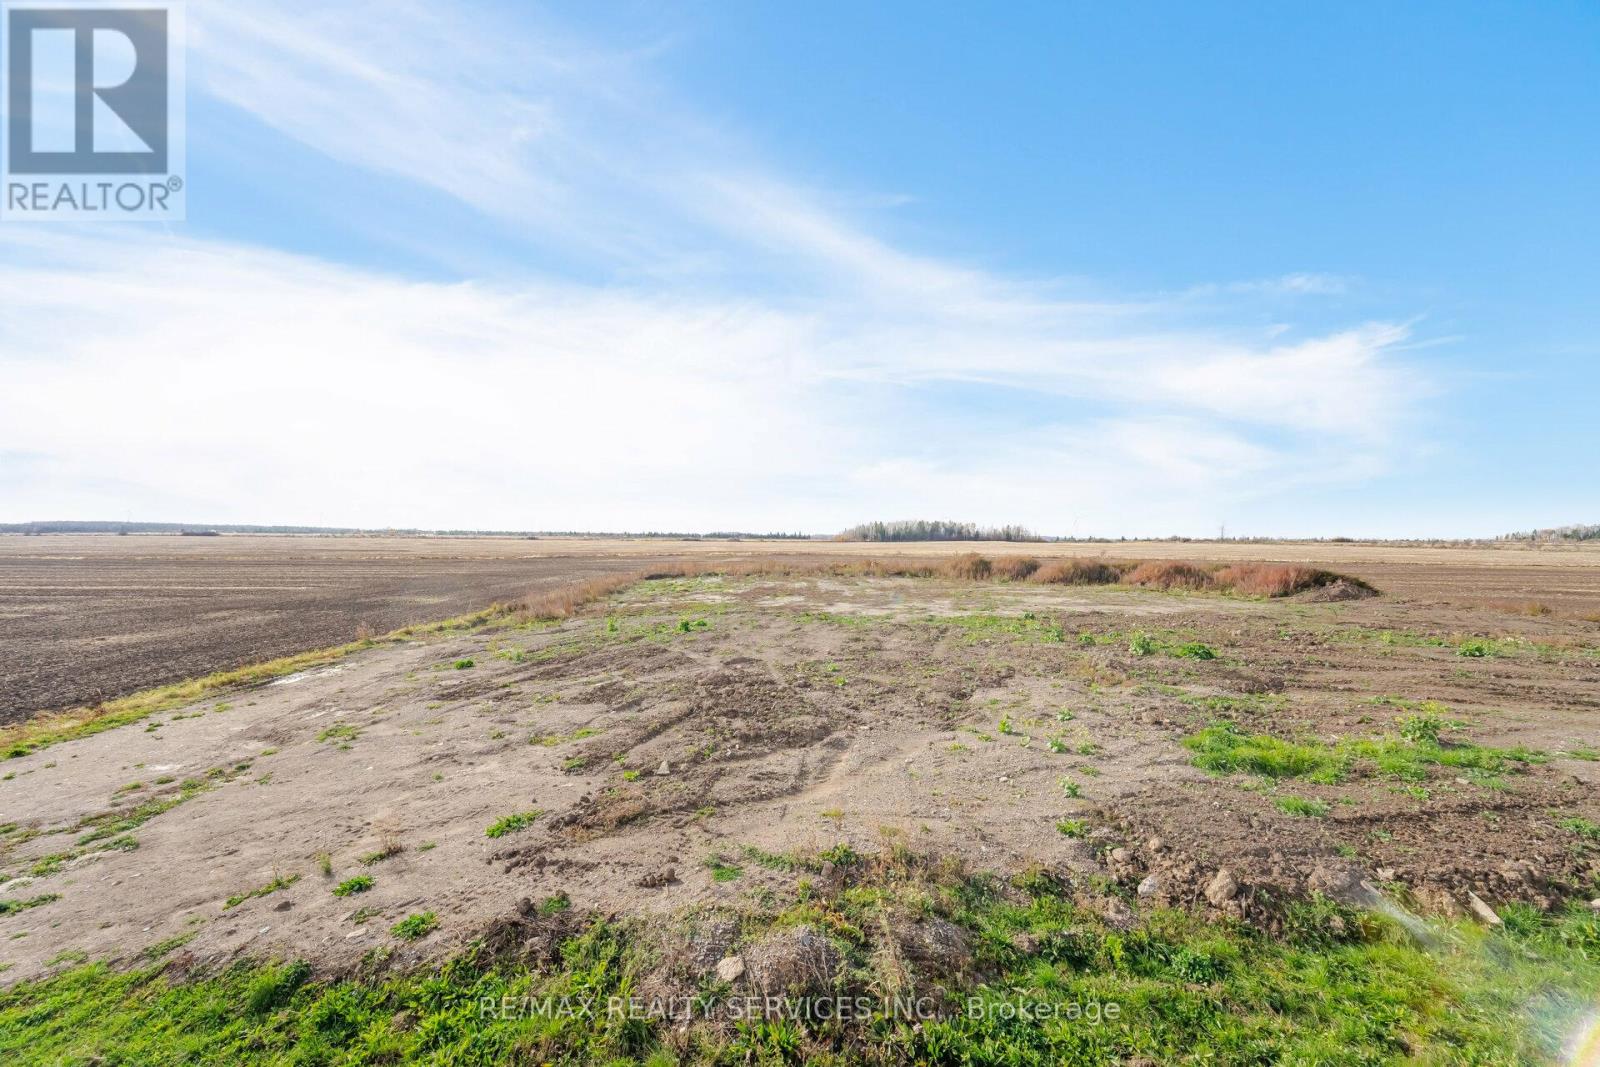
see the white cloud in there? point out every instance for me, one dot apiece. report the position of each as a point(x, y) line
point(228, 383)
point(781, 380)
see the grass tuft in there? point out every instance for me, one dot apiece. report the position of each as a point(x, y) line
point(511, 824)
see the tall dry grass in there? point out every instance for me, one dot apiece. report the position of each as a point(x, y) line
point(1080, 572)
point(1015, 568)
point(1167, 575)
point(967, 567)
point(1271, 579)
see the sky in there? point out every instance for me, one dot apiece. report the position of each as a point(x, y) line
point(1322, 269)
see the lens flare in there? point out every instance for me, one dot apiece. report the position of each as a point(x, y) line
point(1584, 1048)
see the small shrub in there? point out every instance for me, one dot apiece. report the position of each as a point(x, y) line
point(463, 664)
point(1422, 729)
point(1077, 572)
point(1194, 650)
point(351, 886)
point(1169, 574)
point(1073, 827)
point(1274, 579)
point(1141, 644)
point(1476, 648)
point(841, 855)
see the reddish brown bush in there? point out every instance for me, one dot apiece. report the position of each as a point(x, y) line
point(1276, 579)
point(1169, 574)
point(1079, 572)
point(967, 567)
point(1015, 568)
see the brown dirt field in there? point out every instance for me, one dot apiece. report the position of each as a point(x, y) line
point(85, 618)
point(88, 618)
point(792, 715)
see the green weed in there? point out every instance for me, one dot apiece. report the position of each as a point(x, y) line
point(511, 824)
point(415, 927)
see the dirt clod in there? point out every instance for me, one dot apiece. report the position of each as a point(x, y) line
point(1222, 888)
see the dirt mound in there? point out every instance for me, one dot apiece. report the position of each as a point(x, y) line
point(935, 945)
point(1339, 589)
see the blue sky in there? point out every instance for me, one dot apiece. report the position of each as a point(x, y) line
point(1113, 269)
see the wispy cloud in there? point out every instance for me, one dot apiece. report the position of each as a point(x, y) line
point(235, 383)
point(768, 364)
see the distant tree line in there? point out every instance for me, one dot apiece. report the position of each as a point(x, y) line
point(935, 530)
point(1578, 532)
point(206, 528)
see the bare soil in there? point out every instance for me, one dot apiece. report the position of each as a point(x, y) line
point(85, 618)
point(679, 742)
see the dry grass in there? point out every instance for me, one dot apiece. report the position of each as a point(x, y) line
point(1170, 574)
point(1522, 607)
point(967, 567)
point(1274, 579)
point(1015, 568)
point(1080, 572)
point(563, 602)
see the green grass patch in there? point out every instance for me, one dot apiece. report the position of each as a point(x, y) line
point(1306, 807)
point(388, 851)
point(339, 732)
point(280, 882)
point(415, 927)
point(12, 907)
point(1225, 749)
point(722, 870)
point(1045, 975)
point(511, 824)
point(351, 886)
point(1585, 829)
